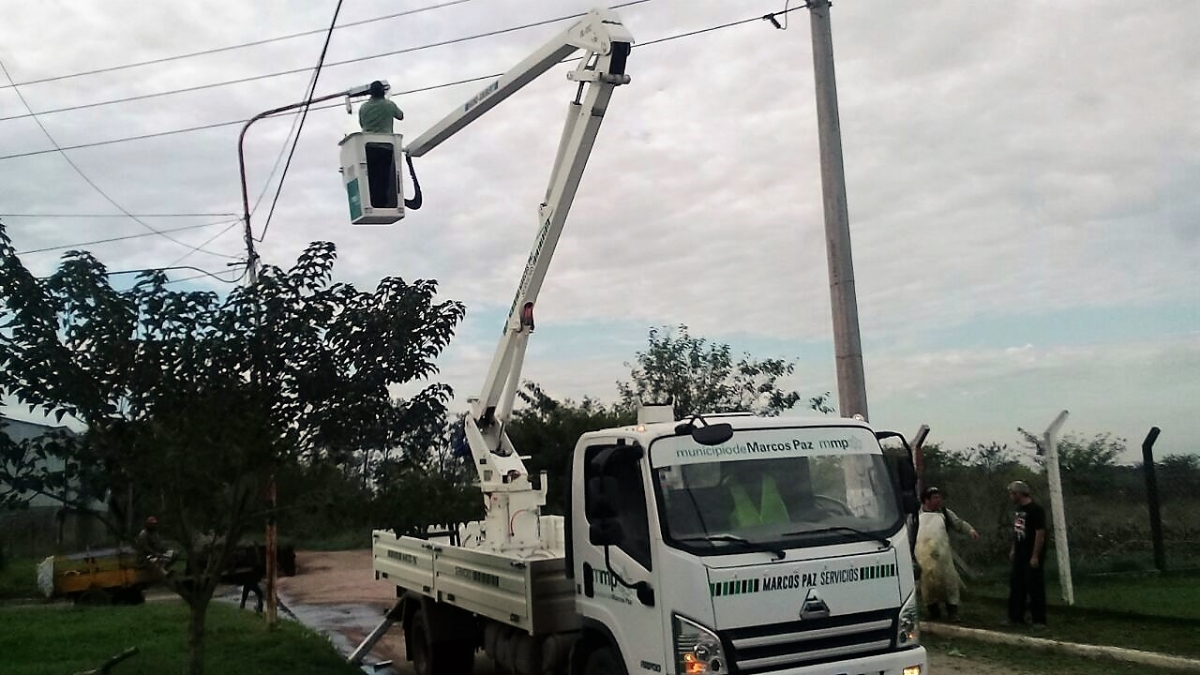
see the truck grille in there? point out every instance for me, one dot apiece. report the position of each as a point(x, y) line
point(763, 649)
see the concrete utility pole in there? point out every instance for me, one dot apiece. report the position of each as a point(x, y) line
point(852, 388)
point(1054, 475)
point(272, 534)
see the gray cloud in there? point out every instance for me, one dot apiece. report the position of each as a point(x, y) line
point(1001, 159)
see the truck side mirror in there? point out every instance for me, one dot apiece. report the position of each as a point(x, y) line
point(599, 503)
point(606, 532)
point(601, 510)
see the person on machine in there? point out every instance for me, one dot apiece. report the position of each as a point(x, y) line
point(151, 549)
point(377, 113)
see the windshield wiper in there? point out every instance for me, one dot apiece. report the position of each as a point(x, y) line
point(842, 528)
point(779, 553)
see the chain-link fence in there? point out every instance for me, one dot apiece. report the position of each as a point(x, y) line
point(1107, 508)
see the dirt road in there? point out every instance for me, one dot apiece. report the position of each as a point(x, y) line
point(336, 593)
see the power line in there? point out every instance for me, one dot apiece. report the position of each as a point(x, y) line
point(85, 177)
point(123, 238)
point(242, 45)
point(444, 85)
point(208, 241)
point(206, 274)
point(312, 90)
point(217, 125)
point(173, 267)
point(203, 273)
point(120, 215)
point(293, 71)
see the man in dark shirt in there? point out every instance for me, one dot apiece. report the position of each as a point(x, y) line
point(1027, 583)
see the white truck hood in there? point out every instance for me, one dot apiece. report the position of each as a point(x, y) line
point(786, 592)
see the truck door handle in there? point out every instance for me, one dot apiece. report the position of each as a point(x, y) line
point(589, 584)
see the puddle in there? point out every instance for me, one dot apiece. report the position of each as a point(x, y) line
point(334, 621)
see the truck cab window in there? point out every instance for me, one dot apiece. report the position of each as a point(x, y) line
point(631, 510)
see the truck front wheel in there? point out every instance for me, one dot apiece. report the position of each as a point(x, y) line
point(604, 661)
point(445, 657)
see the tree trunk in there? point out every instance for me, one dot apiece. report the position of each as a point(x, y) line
point(199, 611)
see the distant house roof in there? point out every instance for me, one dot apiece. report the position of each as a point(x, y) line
point(21, 430)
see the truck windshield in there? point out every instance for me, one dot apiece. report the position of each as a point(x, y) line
point(778, 488)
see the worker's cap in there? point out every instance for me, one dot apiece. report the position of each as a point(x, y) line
point(929, 492)
point(376, 88)
point(1019, 487)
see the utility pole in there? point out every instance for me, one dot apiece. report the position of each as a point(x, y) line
point(271, 535)
point(852, 388)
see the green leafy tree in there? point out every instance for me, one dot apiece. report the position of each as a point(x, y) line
point(547, 430)
point(430, 481)
point(192, 401)
point(698, 376)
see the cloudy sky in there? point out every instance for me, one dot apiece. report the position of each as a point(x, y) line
point(1021, 180)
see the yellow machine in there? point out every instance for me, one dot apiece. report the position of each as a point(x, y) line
point(105, 576)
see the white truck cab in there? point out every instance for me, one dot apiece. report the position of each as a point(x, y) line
point(750, 545)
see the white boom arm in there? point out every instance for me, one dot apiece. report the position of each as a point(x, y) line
point(509, 493)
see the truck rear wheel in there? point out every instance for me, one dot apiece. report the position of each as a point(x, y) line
point(604, 661)
point(445, 657)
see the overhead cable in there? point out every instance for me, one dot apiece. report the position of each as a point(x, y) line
point(89, 181)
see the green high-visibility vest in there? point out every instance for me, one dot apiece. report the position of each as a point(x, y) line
point(770, 511)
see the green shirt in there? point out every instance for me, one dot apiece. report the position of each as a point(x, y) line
point(375, 115)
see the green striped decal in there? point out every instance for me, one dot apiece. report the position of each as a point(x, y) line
point(735, 587)
point(877, 571)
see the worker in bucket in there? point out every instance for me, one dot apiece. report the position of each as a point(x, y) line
point(377, 113)
point(940, 583)
point(151, 549)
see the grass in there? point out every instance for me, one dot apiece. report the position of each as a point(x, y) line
point(56, 640)
point(1171, 596)
point(1166, 635)
point(18, 579)
point(1033, 661)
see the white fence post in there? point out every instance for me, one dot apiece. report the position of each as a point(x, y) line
point(1059, 511)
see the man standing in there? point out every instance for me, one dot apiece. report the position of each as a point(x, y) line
point(1027, 582)
point(939, 578)
point(375, 115)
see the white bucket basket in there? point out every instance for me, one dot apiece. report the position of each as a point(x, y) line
point(371, 166)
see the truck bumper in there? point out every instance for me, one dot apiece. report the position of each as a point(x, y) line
point(892, 663)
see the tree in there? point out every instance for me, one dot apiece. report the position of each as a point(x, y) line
point(547, 429)
point(193, 401)
point(428, 483)
point(697, 376)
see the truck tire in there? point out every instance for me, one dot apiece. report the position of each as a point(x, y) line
point(438, 658)
point(604, 661)
point(94, 597)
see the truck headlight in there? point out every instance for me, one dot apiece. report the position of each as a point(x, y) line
point(908, 630)
point(697, 649)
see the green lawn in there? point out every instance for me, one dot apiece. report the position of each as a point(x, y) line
point(57, 640)
point(18, 579)
point(1031, 661)
point(1175, 596)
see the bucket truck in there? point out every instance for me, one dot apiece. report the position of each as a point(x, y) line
point(714, 544)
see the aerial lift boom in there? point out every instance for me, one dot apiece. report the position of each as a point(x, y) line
point(509, 492)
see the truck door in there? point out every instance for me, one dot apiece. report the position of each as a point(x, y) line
point(614, 555)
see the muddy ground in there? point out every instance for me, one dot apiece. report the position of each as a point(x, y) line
point(337, 594)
